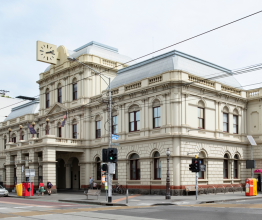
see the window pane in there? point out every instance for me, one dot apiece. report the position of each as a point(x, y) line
point(225, 117)
point(200, 123)
point(115, 120)
point(200, 113)
point(225, 127)
point(234, 129)
point(138, 125)
point(158, 112)
point(138, 116)
point(132, 117)
point(132, 127)
point(234, 119)
point(98, 125)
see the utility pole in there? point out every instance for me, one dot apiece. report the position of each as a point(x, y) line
point(110, 142)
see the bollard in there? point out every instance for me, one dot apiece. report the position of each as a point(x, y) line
point(127, 196)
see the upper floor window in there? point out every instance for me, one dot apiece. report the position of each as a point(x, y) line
point(59, 95)
point(225, 122)
point(47, 100)
point(134, 167)
point(235, 124)
point(134, 121)
point(157, 166)
point(114, 125)
point(98, 129)
point(201, 118)
point(14, 139)
point(74, 131)
point(5, 143)
point(156, 117)
point(59, 132)
point(225, 167)
point(75, 91)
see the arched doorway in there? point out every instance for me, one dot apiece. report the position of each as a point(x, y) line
point(60, 174)
point(75, 173)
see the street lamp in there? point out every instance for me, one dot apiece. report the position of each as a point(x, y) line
point(9, 134)
point(47, 131)
point(21, 127)
point(33, 124)
point(167, 176)
point(72, 59)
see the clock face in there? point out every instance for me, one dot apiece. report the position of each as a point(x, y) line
point(46, 52)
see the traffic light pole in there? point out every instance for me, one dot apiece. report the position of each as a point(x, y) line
point(110, 143)
point(196, 181)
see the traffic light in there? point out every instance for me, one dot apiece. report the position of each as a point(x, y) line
point(104, 167)
point(191, 167)
point(104, 155)
point(112, 155)
point(196, 165)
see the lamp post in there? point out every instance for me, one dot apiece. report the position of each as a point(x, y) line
point(9, 134)
point(33, 124)
point(21, 127)
point(47, 131)
point(110, 121)
point(167, 176)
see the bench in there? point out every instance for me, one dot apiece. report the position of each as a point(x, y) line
point(92, 192)
point(191, 189)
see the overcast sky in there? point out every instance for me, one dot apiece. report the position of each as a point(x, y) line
point(135, 27)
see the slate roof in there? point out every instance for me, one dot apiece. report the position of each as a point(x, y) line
point(173, 60)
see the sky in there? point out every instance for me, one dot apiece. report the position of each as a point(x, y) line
point(135, 27)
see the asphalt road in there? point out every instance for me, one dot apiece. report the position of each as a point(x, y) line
point(25, 209)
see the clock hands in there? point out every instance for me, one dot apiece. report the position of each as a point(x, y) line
point(52, 52)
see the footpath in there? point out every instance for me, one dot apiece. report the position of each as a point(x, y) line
point(141, 200)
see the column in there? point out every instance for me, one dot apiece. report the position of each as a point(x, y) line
point(9, 171)
point(20, 162)
point(33, 164)
point(68, 176)
point(168, 113)
point(49, 167)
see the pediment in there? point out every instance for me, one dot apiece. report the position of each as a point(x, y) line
point(56, 109)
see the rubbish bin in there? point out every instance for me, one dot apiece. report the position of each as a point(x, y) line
point(19, 189)
point(251, 187)
point(27, 188)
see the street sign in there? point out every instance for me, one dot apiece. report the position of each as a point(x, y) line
point(251, 140)
point(115, 144)
point(203, 168)
point(114, 137)
point(111, 168)
point(29, 172)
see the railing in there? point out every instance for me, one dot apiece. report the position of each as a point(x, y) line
point(223, 188)
point(38, 141)
point(201, 81)
point(133, 86)
point(114, 92)
point(231, 187)
point(67, 141)
point(230, 90)
point(46, 74)
point(109, 63)
point(155, 80)
point(253, 93)
point(210, 187)
point(22, 118)
point(4, 124)
point(13, 121)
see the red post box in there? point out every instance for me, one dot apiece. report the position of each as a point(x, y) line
point(251, 187)
point(27, 188)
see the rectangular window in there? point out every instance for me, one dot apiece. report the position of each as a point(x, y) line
point(235, 124)
point(75, 131)
point(114, 125)
point(156, 117)
point(59, 132)
point(47, 100)
point(225, 122)
point(59, 95)
point(201, 173)
point(75, 91)
point(235, 169)
point(134, 121)
point(98, 129)
point(201, 120)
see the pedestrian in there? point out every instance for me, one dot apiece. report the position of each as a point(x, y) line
point(91, 180)
point(49, 187)
point(41, 189)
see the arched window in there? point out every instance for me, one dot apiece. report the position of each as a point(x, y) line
point(13, 138)
point(157, 166)
point(134, 167)
point(74, 89)
point(235, 121)
point(98, 168)
point(74, 129)
point(59, 130)
point(236, 166)
point(5, 141)
point(47, 100)
point(37, 133)
point(225, 167)
point(59, 93)
point(23, 136)
point(201, 115)
point(98, 129)
point(225, 120)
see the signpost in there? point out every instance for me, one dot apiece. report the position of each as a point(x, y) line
point(29, 173)
point(252, 142)
point(114, 137)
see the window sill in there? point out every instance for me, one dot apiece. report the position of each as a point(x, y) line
point(202, 180)
point(134, 133)
point(133, 181)
point(156, 181)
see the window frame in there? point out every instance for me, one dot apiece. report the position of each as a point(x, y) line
point(13, 139)
point(59, 95)
point(59, 132)
point(47, 99)
point(227, 123)
point(159, 117)
point(156, 159)
point(98, 136)
point(137, 170)
point(74, 91)
point(114, 125)
point(202, 172)
point(225, 168)
point(235, 124)
point(199, 118)
point(74, 131)
point(5, 142)
point(135, 121)
point(235, 168)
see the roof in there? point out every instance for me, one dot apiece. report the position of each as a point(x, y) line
point(98, 49)
point(173, 60)
point(27, 108)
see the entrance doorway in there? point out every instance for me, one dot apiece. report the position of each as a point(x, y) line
point(75, 174)
point(60, 174)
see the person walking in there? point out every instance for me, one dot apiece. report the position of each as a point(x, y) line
point(49, 187)
point(91, 180)
point(41, 189)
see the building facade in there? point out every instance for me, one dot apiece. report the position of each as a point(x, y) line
point(163, 102)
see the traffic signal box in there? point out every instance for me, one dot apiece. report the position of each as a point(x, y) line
point(251, 187)
point(195, 166)
point(109, 155)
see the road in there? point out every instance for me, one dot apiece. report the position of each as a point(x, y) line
point(25, 209)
